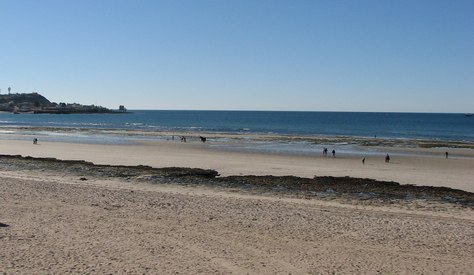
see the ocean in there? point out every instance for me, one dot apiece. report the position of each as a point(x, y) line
point(94, 127)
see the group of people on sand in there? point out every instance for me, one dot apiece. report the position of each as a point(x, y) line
point(183, 139)
point(325, 152)
point(35, 141)
point(387, 157)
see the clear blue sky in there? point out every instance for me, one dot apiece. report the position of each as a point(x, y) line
point(380, 55)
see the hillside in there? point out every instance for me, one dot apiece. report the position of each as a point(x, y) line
point(38, 104)
point(33, 99)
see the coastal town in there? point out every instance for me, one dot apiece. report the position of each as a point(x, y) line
point(35, 103)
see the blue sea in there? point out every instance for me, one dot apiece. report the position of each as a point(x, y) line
point(94, 127)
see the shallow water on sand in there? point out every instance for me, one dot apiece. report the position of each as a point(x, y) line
point(304, 133)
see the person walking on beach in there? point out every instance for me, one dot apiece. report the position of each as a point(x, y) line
point(363, 161)
point(325, 152)
point(35, 141)
point(333, 153)
point(387, 158)
point(446, 154)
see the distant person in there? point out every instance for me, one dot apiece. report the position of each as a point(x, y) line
point(387, 158)
point(203, 139)
point(446, 154)
point(35, 141)
point(363, 161)
point(183, 139)
point(325, 151)
point(333, 153)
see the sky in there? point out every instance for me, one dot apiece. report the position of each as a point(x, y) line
point(295, 55)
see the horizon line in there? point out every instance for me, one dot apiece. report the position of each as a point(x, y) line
point(296, 111)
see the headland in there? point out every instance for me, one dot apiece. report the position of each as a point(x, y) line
point(34, 103)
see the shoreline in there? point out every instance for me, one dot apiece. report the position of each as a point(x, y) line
point(240, 135)
point(276, 143)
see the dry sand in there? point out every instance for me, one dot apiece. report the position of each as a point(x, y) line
point(59, 224)
point(62, 225)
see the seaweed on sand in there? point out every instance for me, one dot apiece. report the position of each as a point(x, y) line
point(317, 187)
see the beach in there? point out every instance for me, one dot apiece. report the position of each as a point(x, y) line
point(68, 217)
point(243, 137)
